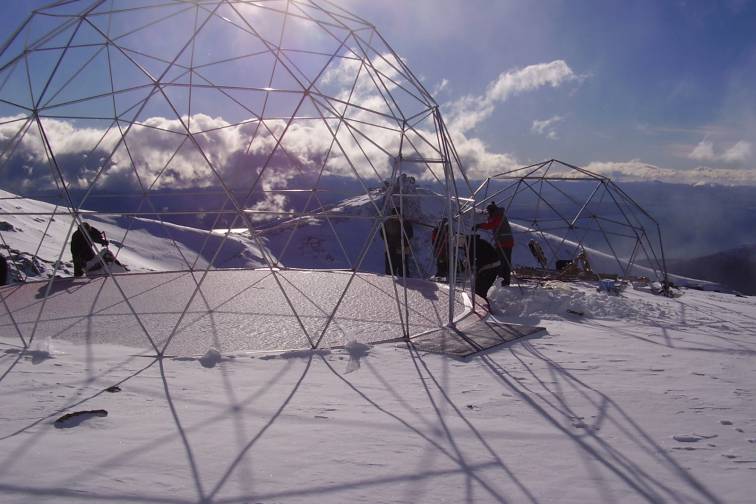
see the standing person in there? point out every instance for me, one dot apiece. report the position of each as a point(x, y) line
point(397, 243)
point(485, 263)
point(81, 247)
point(440, 241)
point(498, 224)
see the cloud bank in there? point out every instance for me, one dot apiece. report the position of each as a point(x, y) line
point(739, 152)
point(158, 153)
point(638, 171)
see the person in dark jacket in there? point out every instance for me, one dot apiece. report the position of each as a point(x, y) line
point(485, 263)
point(397, 243)
point(440, 241)
point(82, 248)
point(498, 224)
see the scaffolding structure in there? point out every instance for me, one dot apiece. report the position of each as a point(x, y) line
point(572, 210)
point(264, 100)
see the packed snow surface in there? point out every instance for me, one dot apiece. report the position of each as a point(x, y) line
point(185, 313)
point(640, 399)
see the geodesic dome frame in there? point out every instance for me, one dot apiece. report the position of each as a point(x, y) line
point(570, 209)
point(263, 100)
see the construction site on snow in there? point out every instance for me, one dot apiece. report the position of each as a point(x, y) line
point(186, 162)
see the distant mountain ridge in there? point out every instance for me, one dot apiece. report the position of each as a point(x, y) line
point(694, 220)
point(734, 268)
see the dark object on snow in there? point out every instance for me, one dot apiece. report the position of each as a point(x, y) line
point(575, 312)
point(113, 389)
point(6, 226)
point(562, 263)
point(582, 261)
point(81, 246)
point(74, 419)
point(3, 270)
point(613, 287)
point(537, 251)
point(485, 263)
point(95, 265)
point(397, 243)
point(580, 267)
point(440, 241)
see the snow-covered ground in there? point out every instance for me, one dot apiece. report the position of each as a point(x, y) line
point(641, 399)
point(630, 398)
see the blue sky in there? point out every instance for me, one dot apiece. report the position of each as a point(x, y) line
point(658, 77)
point(653, 86)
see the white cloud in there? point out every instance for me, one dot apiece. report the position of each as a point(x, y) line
point(638, 171)
point(739, 152)
point(469, 111)
point(440, 87)
point(478, 161)
point(704, 151)
point(546, 127)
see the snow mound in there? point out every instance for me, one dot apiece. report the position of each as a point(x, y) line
point(555, 300)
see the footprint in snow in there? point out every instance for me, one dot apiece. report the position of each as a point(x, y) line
point(686, 439)
point(691, 438)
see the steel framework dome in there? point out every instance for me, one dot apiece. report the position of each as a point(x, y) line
point(568, 209)
point(111, 103)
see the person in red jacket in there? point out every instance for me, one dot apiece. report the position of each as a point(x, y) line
point(499, 226)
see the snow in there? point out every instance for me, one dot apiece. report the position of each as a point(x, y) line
point(559, 300)
point(624, 399)
point(642, 399)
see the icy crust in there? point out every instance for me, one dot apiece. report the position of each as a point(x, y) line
point(558, 300)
